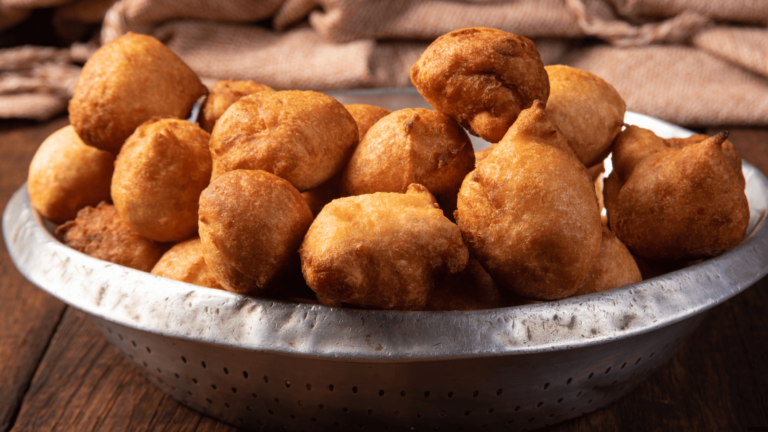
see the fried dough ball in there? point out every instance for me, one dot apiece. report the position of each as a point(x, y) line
point(66, 175)
point(381, 250)
point(101, 233)
point(470, 289)
point(222, 95)
point(676, 203)
point(127, 82)
point(588, 111)
point(159, 174)
point(481, 77)
point(529, 212)
point(614, 267)
point(414, 145)
point(365, 116)
point(304, 137)
point(729, 151)
point(184, 262)
point(482, 154)
point(251, 225)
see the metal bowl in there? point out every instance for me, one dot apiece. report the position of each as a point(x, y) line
point(265, 363)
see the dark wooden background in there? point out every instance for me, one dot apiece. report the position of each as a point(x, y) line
point(58, 373)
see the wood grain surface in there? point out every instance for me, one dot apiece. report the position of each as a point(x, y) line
point(59, 374)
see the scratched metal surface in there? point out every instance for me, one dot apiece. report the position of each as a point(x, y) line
point(520, 367)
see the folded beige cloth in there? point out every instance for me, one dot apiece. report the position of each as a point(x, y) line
point(686, 61)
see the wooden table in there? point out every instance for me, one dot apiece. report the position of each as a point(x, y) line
point(58, 373)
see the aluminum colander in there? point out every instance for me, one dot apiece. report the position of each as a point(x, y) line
point(266, 364)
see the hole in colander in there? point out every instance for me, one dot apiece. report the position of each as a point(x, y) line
point(194, 380)
point(189, 392)
point(538, 405)
point(249, 408)
point(204, 365)
point(144, 363)
point(651, 354)
point(254, 395)
point(300, 403)
point(590, 401)
point(475, 393)
point(466, 413)
point(245, 374)
point(354, 389)
point(234, 390)
point(532, 419)
point(184, 359)
point(418, 414)
point(608, 370)
point(426, 394)
point(450, 394)
point(266, 379)
point(397, 413)
point(591, 375)
point(381, 392)
point(638, 360)
point(176, 375)
point(551, 415)
point(546, 386)
point(120, 336)
point(226, 371)
point(287, 383)
point(277, 400)
point(226, 404)
point(330, 387)
point(490, 410)
point(578, 394)
point(159, 370)
point(517, 408)
point(402, 393)
point(498, 392)
point(569, 381)
point(208, 400)
point(442, 413)
point(370, 412)
point(149, 351)
point(270, 412)
point(292, 416)
point(213, 386)
point(309, 387)
point(321, 406)
point(134, 343)
point(346, 410)
point(130, 356)
point(560, 400)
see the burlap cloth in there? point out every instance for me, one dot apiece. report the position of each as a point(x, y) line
point(696, 63)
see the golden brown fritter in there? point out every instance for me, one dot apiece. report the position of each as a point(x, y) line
point(251, 225)
point(101, 233)
point(414, 145)
point(184, 262)
point(529, 213)
point(669, 203)
point(614, 267)
point(222, 95)
point(159, 174)
point(381, 250)
point(66, 175)
point(304, 137)
point(365, 116)
point(471, 289)
point(588, 111)
point(481, 77)
point(127, 82)
point(482, 154)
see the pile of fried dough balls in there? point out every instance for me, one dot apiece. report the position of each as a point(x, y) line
point(379, 209)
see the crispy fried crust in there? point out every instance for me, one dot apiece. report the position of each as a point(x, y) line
point(304, 137)
point(614, 267)
point(365, 116)
point(251, 225)
point(471, 289)
point(413, 145)
point(127, 82)
point(101, 233)
point(676, 203)
point(587, 110)
point(529, 212)
point(482, 154)
point(482, 78)
point(159, 174)
point(66, 175)
point(184, 262)
point(222, 95)
point(381, 250)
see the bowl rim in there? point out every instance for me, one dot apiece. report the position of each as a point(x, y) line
point(162, 306)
